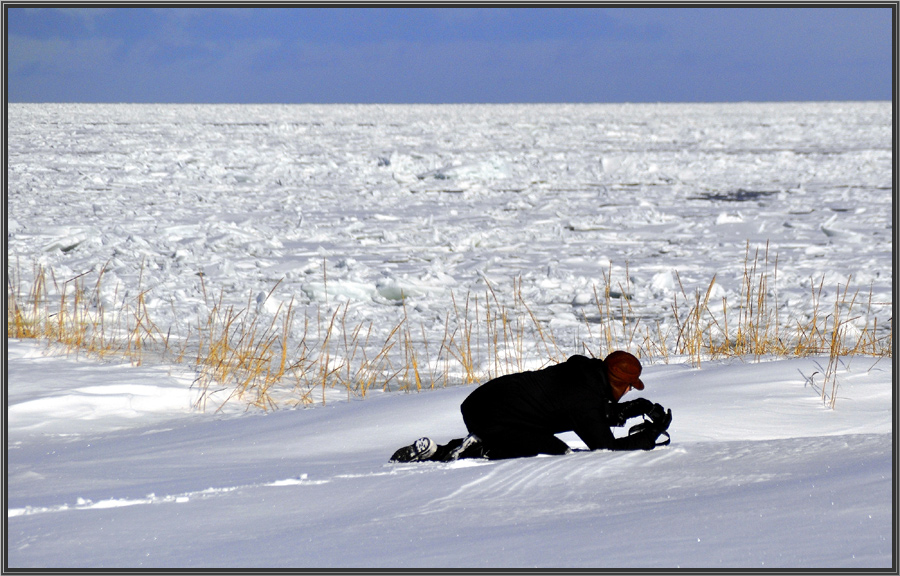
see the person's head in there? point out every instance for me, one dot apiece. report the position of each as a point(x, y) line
point(624, 372)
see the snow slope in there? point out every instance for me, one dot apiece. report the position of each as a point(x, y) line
point(759, 475)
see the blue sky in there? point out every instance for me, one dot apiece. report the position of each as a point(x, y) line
point(438, 55)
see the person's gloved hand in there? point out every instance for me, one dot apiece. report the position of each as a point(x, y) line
point(619, 413)
point(645, 434)
point(637, 407)
point(660, 417)
point(643, 440)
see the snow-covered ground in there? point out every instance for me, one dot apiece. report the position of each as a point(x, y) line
point(109, 465)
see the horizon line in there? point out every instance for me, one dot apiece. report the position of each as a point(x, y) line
point(461, 103)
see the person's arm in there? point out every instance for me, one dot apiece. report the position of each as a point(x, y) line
point(597, 439)
point(644, 435)
point(595, 432)
point(645, 440)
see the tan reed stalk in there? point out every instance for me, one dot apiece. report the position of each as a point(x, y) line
point(238, 352)
point(463, 352)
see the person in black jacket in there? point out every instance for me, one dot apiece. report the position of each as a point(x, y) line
point(519, 415)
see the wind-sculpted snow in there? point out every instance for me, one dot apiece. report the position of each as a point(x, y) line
point(759, 474)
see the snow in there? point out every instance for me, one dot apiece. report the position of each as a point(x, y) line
point(759, 474)
point(369, 207)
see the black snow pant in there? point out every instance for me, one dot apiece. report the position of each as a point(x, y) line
point(504, 437)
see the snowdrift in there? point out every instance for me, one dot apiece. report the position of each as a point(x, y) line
point(759, 475)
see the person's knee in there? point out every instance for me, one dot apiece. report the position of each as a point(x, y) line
point(554, 446)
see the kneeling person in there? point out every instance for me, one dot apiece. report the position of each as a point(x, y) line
point(519, 415)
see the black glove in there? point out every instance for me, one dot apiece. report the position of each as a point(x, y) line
point(660, 416)
point(643, 440)
point(647, 432)
point(618, 414)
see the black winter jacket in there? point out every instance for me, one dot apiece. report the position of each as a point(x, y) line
point(570, 396)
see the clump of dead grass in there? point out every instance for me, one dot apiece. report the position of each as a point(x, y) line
point(269, 360)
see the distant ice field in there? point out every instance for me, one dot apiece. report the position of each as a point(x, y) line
point(374, 204)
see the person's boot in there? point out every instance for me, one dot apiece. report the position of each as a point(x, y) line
point(444, 450)
point(421, 449)
point(470, 447)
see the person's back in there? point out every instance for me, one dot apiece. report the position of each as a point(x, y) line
point(555, 399)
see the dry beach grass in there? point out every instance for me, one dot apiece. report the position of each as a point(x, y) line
point(244, 355)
